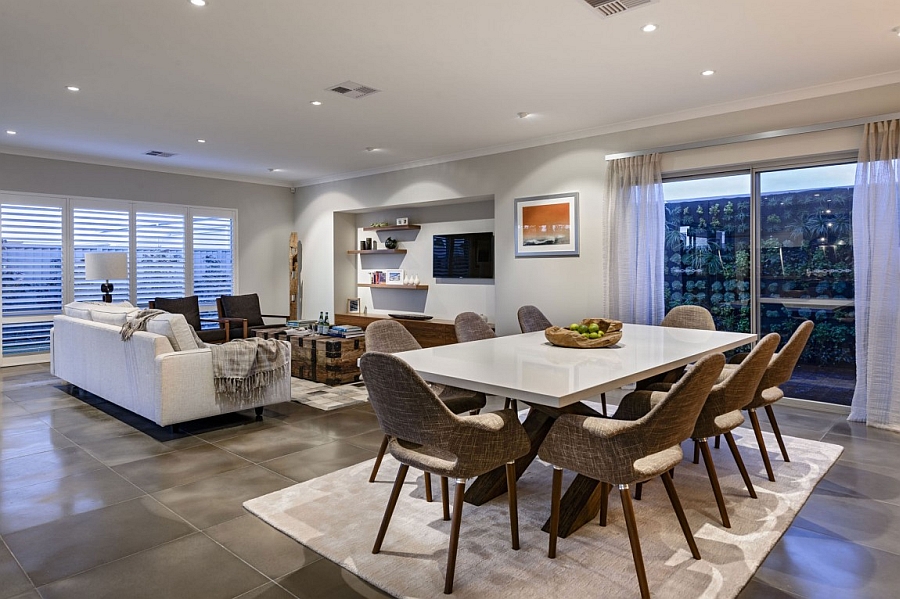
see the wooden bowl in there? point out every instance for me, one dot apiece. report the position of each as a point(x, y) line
point(612, 334)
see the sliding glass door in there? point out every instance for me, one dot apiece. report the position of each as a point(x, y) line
point(806, 273)
point(764, 249)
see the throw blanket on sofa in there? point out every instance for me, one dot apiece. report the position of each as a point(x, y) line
point(138, 323)
point(241, 368)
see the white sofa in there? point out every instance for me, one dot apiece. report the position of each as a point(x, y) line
point(160, 374)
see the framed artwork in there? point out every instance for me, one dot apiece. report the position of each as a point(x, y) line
point(353, 305)
point(394, 276)
point(547, 226)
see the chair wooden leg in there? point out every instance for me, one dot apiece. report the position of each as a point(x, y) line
point(714, 481)
point(511, 404)
point(389, 510)
point(718, 441)
point(696, 452)
point(754, 420)
point(428, 496)
point(454, 534)
point(555, 494)
point(605, 488)
point(603, 403)
point(631, 525)
point(638, 491)
point(378, 458)
point(445, 497)
point(513, 504)
point(679, 512)
point(740, 463)
point(771, 414)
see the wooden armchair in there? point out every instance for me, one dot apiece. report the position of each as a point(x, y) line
point(244, 314)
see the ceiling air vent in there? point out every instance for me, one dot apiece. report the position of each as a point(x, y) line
point(353, 90)
point(159, 154)
point(609, 8)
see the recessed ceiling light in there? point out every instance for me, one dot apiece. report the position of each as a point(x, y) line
point(316, 103)
point(10, 132)
point(896, 29)
point(648, 28)
point(73, 88)
point(201, 141)
point(371, 149)
point(198, 2)
point(523, 115)
point(707, 73)
point(275, 170)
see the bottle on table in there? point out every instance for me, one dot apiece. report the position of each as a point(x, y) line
point(320, 322)
point(327, 325)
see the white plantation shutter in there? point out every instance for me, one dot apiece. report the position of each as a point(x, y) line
point(213, 261)
point(98, 231)
point(159, 251)
point(32, 275)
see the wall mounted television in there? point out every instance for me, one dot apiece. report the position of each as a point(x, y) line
point(463, 256)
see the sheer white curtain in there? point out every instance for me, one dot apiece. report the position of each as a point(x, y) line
point(637, 230)
point(876, 249)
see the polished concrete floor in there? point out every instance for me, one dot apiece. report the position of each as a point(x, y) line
point(96, 502)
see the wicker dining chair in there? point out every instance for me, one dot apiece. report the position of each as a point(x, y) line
point(531, 319)
point(640, 442)
point(722, 413)
point(390, 337)
point(472, 327)
point(681, 317)
point(427, 435)
point(780, 370)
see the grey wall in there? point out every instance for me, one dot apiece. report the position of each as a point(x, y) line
point(566, 289)
point(264, 211)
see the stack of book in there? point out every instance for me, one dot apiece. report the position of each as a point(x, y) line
point(347, 331)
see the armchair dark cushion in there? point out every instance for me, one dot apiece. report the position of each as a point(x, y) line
point(243, 306)
point(189, 307)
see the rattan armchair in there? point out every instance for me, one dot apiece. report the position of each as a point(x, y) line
point(622, 451)
point(427, 435)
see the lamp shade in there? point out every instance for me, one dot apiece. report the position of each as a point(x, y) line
point(103, 266)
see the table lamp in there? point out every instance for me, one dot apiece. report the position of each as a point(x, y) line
point(103, 266)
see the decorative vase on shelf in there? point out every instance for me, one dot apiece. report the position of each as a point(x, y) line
point(416, 280)
point(390, 243)
point(407, 280)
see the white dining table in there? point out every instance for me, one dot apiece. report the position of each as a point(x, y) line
point(555, 380)
point(528, 368)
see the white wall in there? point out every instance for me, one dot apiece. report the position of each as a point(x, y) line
point(264, 211)
point(566, 289)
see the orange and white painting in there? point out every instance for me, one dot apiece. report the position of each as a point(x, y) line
point(547, 226)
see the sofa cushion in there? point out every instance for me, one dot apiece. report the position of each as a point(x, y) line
point(80, 310)
point(189, 306)
point(115, 314)
point(112, 313)
point(175, 328)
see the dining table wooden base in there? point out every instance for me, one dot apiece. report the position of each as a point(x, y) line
point(581, 502)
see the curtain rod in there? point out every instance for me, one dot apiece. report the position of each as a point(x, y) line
point(756, 136)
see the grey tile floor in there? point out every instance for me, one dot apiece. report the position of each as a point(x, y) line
point(97, 502)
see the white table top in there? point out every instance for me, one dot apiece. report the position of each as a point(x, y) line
point(527, 367)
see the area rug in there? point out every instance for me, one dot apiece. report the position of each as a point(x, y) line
point(338, 515)
point(326, 397)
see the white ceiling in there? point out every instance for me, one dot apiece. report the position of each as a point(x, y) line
point(158, 75)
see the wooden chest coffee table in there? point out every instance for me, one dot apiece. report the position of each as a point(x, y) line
point(321, 358)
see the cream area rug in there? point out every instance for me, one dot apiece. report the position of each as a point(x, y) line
point(338, 516)
point(326, 397)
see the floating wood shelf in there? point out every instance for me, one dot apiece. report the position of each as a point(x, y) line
point(385, 286)
point(394, 228)
point(376, 251)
